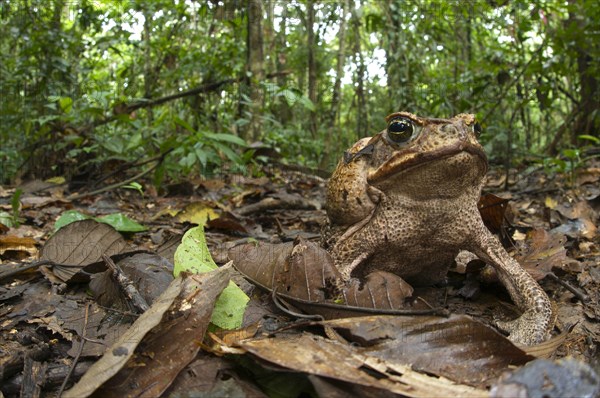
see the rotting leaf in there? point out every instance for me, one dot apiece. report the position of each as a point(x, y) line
point(381, 290)
point(150, 273)
point(459, 347)
point(227, 222)
point(566, 377)
point(193, 256)
point(212, 376)
point(81, 244)
point(174, 343)
point(319, 356)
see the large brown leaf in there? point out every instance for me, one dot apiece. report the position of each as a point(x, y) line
point(299, 269)
point(305, 274)
point(81, 244)
point(319, 356)
point(459, 347)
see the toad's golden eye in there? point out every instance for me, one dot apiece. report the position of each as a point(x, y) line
point(400, 130)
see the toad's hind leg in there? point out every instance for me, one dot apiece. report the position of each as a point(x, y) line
point(536, 322)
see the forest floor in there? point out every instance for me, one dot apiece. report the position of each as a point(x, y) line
point(548, 222)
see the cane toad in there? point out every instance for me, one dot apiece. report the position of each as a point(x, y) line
point(405, 201)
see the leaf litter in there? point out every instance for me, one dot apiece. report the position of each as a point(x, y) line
point(553, 233)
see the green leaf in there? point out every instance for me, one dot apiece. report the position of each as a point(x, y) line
point(15, 201)
point(595, 140)
point(193, 256)
point(184, 124)
point(68, 217)
point(234, 139)
point(308, 104)
point(121, 223)
point(7, 219)
point(231, 155)
point(135, 186)
point(201, 155)
point(66, 104)
point(571, 153)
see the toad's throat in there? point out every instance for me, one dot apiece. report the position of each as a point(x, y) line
point(410, 159)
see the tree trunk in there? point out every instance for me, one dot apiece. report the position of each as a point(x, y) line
point(255, 67)
point(362, 115)
point(332, 121)
point(284, 112)
point(148, 78)
point(312, 65)
point(394, 58)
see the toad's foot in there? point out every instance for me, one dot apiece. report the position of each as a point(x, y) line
point(537, 321)
point(528, 329)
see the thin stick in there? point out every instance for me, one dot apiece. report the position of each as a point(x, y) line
point(126, 285)
point(79, 351)
point(584, 298)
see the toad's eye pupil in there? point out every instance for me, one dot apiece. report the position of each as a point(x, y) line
point(400, 130)
point(477, 128)
point(399, 127)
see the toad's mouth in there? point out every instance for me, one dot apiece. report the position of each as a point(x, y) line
point(408, 160)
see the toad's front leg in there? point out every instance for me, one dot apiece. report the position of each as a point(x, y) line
point(536, 322)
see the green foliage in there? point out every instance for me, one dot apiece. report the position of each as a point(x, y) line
point(13, 219)
point(193, 256)
point(136, 187)
point(69, 72)
point(118, 221)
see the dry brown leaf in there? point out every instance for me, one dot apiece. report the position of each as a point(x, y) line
point(299, 269)
point(459, 347)
point(543, 251)
point(493, 209)
point(81, 244)
point(17, 244)
point(304, 273)
point(318, 356)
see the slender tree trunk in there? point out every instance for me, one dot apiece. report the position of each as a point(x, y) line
point(312, 64)
point(332, 121)
point(393, 10)
point(255, 67)
point(362, 116)
point(284, 111)
point(148, 78)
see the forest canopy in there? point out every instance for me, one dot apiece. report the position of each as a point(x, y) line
point(202, 84)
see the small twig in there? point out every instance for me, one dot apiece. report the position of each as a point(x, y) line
point(9, 273)
point(79, 351)
point(113, 186)
point(279, 304)
point(135, 164)
point(126, 285)
point(584, 298)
